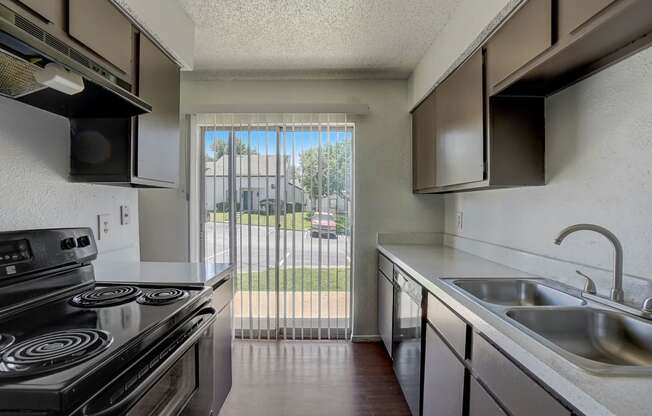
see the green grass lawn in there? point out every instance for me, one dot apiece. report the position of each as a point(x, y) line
point(292, 221)
point(331, 280)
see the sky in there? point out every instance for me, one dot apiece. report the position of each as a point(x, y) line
point(264, 142)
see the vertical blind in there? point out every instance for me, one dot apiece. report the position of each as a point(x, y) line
point(278, 202)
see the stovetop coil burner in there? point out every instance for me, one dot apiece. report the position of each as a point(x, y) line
point(6, 340)
point(106, 296)
point(162, 296)
point(52, 351)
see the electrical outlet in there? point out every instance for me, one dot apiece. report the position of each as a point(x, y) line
point(103, 226)
point(459, 221)
point(125, 217)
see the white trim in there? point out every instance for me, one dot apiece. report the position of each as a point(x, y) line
point(194, 181)
point(365, 338)
point(293, 108)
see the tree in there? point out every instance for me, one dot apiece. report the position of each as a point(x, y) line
point(220, 148)
point(335, 163)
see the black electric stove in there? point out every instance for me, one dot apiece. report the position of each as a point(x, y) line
point(71, 346)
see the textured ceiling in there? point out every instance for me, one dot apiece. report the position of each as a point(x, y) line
point(313, 38)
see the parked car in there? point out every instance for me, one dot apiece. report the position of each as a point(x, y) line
point(323, 224)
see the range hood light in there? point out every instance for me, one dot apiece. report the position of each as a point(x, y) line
point(59, 78)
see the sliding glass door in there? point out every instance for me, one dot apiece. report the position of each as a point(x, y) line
point(290, 216)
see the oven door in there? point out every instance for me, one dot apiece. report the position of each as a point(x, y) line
point(173, 378)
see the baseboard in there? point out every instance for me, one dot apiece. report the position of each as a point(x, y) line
point(365, 338)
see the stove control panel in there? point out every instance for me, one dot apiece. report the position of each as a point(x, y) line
point(16, 251)
point(32, 251)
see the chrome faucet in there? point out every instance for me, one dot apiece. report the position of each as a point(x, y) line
point(617, 294)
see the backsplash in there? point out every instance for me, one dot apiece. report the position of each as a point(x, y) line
point(34, 188)
point(598, 153)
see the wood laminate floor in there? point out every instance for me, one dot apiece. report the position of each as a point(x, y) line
point(313, 378)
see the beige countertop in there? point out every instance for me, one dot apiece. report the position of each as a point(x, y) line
point(163, 273)
point(591, 394)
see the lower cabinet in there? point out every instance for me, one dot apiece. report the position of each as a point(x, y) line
point(463, 374)
point(456, 378)
point(222, 340)
point(385, 308)
point(516, 390)
point(480, 402)
point(443, 378)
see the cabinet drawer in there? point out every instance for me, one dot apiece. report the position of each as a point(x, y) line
point(386, 266)
point(443, 379)
point(451, 326)
point(516, 390)
point(481, 403)
point(522, 38)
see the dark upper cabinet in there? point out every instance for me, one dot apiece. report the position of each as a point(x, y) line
point(575, 13)
point(423, 144)
point(587, 36)
point(489, 125)
point(480, 142)
point(51, 11)
point(102, 28)
point(157, 133)
point(523, 37)
point(459, 125)
point(141, 151)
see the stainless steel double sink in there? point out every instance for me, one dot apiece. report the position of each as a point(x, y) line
point(590, 335)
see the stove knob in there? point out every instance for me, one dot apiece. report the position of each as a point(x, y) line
point(83, 241)
point(68, 243)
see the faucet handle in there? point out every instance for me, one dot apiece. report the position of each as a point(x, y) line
point(647, 305)
point(589, 286)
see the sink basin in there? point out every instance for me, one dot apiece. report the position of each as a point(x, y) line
point(606, 337)
point(516, 292)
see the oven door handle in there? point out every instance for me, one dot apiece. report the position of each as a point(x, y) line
point(123, 404)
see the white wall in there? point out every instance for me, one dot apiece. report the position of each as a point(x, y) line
point(469, 24)
point(34, 189)
point(383, 197)
point(598, 168)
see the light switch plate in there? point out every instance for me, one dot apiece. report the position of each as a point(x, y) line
point(459, 221)
point(125, 216)
point(103, 226)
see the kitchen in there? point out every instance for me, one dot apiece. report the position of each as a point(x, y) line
point(467, 293)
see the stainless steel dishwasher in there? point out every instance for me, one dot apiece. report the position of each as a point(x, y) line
point(406, 338)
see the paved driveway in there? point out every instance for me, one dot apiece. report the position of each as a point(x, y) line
point(256, 247)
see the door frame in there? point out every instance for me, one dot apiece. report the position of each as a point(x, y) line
point(197, 212)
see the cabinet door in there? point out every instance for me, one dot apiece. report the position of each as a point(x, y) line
point(51, 10)
point(158, 132)
point(574, 13)
point(423, 144)
point(385, 308)
point(460, 126)
point(443, 379)
point(516, 391)
point(481, 403)
point(99, 26)
point(222, 339)
point(522, 38)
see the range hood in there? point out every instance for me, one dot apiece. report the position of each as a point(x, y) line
point(26, 50)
